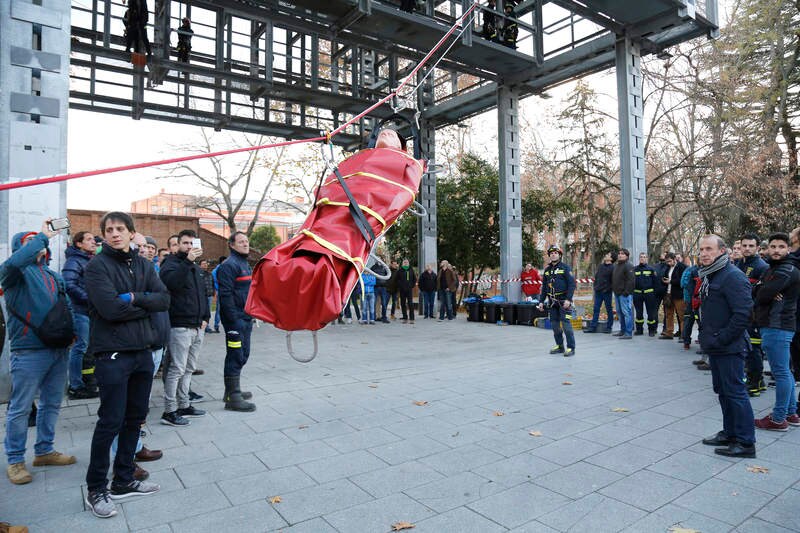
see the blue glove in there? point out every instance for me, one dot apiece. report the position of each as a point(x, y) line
point(126, 297)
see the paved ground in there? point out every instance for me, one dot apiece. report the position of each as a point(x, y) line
point(343, 444)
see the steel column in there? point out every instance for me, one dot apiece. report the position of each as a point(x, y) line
point(631, 147)
point(427, 228)
point(510, 198)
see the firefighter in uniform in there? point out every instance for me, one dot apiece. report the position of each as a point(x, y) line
point(558, 286)
point(490, 22)
point(510, 28)
point(753, 267)
point(644, 296)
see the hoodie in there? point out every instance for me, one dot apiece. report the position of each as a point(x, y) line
point(30, 287)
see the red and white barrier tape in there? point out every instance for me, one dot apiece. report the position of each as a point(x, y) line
point(497, 279)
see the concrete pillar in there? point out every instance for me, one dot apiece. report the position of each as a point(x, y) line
point(631, 147)
point(510, 198)
point(34, 93)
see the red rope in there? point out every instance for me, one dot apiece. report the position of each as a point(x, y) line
point(326, 138)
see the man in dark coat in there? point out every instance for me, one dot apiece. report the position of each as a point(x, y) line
point(406, 281)
point(726, 304)
point(602, 295)
point(622, 283)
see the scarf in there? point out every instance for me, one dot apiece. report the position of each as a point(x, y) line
point(704, 272)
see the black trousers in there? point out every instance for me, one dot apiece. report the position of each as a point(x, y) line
point(754, 363)
point(645, 302)
point(407, 303)
point(124, 380)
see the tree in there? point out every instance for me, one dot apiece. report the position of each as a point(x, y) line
point(264, 238)
point(229, 181)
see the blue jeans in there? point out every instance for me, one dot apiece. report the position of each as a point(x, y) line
point(600, 299)
point(427, 303)
point(560, 318)
point(43, 371)
point(384, 296)
point(368, 307)
point(775, 343)
point(216, 315)
point(624, 312)
point(445, 304)
point(81, 323)
point(727, 371)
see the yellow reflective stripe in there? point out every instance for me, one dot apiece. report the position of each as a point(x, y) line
point(559, 271)
point(637, 291)
point(648, 290)
point(327, 201)
point(647, 273)
point(234, 344)
point(87, 371)
point(755, 341)
point(638, 273)
point(338, 251)
point(376, 177)
point(569, 317)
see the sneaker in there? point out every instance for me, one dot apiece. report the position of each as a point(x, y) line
point(54, 459)
point(174, 419)
point(100, 503)
point(134, 488)
point(349, 320)
point(191, 412)
point(770, 425)
point(82, 393)
point(569, 352)
point(410, 321)
point(557, 349)
point(194, 397)
point(371, 322)
point(618, 333)
point(793, 420)
point(625, 337)
point(18, 474)
point(704, 366)
point(698, 362)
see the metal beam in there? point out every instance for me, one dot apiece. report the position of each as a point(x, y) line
point(591, 14)
point(427, 227)
point(631, 147)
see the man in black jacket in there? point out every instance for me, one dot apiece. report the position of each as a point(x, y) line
point(406, 281)
point(188, 317)
point(622, 283)
point(233, 279)
point(427, 290)
point(725, 309)
point(776, 296)
point(602, 294)
point(753, 267)
point(124, 293)
point(673, 297)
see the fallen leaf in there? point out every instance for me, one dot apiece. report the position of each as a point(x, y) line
point(373, 386)
point(535, 433)
point(402, 525)
point(758, 469)
point(620, 410)
point(734, 493)
point(566, 383)
point(499, 413)
point(302, 427)
point(275, 499)
point(676, 529)
point(420, 402)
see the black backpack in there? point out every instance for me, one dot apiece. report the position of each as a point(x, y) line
point(57, 329)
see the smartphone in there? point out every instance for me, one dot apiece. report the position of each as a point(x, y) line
point(59, 223)
point(196, 244)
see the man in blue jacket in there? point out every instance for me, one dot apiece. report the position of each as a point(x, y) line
point(726, 304)
point(233, 279)
point(78, 256)
point(31, 290)
point(558, 286)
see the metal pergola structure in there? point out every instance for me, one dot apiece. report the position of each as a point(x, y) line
point(293, 68)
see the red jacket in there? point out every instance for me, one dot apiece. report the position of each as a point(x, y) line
point(531, 282)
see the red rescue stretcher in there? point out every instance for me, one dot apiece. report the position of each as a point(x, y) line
point(304, 283)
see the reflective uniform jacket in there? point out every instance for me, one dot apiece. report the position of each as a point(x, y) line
point(558, 283)
point(646, 279)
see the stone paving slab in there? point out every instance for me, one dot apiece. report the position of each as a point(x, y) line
point(341, 441)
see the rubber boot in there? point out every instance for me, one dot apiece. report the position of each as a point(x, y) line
point(233, 397)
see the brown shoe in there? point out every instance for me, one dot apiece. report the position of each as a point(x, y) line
point(5, 527)
point(54, 459)
point(144, 455)
point(139, 473)
point(18, 474)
